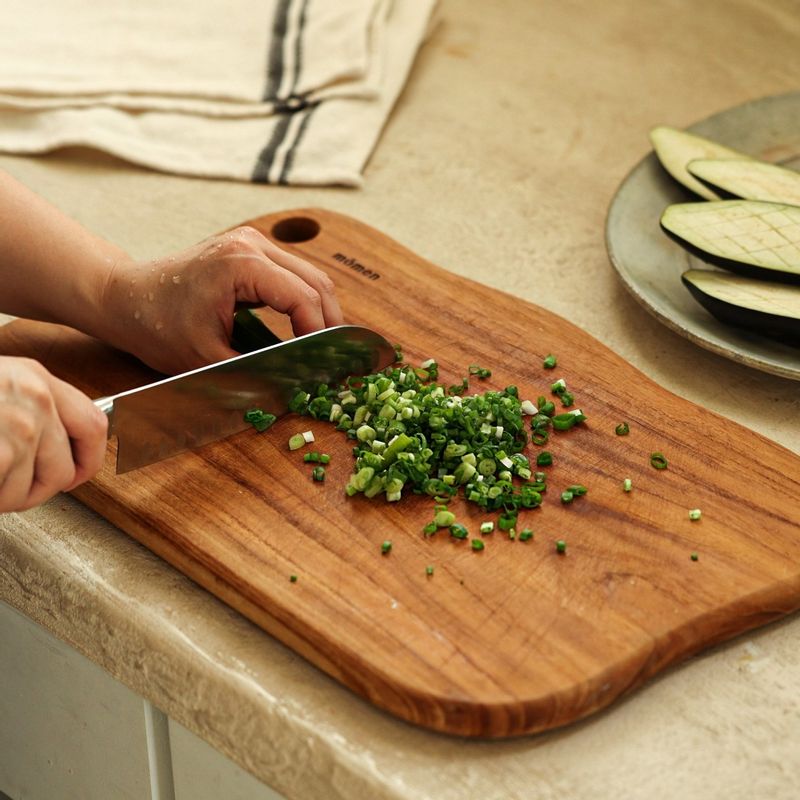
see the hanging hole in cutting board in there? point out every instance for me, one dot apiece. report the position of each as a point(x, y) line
point(295, 229)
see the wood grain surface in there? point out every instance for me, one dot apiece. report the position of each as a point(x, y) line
point(511, 640)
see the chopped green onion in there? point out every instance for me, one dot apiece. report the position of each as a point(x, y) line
point(308, 436)
point(561, 546)
point(623, 429)
point(512, 533)
point(563, 422)
point(525, 534)
point(458, 531)
point(324, 458)
point(694, 556)
point(477, 544)
point(567, 496)
point(318, 473)
point(480, 372)
point(430, 529)
point(429, 569)
point(486, 527)
point(695, 514)
point(507, 521)
point(311, 457)
point(658, 460)
point(577, 489)
point(444, 518)
point(550, 362)
point(567, 399)
point(544, 459)
point(386, 547)
point(259, 419)
point(293, 578)
point(296, 441)
point(627, 485)
point(558, 386)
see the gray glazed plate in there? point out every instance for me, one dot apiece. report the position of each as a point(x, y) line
point(650, 264)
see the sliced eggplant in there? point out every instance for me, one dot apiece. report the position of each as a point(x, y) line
point(771, 309)
point(675, 149)
point(758, 239)
point(748, 179)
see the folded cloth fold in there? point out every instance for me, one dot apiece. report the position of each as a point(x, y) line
point(279, 91)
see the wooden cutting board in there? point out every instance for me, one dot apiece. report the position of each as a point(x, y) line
point(511, 640)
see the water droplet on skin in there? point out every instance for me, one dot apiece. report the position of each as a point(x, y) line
point(137, 314)
point(176, 278)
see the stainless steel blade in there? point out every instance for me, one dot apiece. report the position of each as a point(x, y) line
point(190, 410)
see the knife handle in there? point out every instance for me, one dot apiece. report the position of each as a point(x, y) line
point(106, 405)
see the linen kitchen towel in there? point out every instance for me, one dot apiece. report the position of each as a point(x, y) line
point(279, 91)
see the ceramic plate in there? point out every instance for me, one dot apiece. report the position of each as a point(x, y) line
point(650, 263)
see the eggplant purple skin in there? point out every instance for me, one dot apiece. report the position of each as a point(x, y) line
point(785, 329)
point(750, 271)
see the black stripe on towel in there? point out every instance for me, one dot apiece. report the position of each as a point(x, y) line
point(280, 24)
point(298, 48)
point(267, 155)
point(288, 162)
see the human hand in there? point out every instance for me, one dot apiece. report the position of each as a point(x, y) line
point(176, 313)
point(52, 437)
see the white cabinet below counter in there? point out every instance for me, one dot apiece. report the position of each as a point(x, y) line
point(70, 731)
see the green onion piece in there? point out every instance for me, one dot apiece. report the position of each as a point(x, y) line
point(458, 531)
point(507, 521)
point(627, 485)
point(480, 372)
point(259, 419)
point(577, 489)
point(477, 544)
point(398, 352)
point(567, 399)
point(567, 496)
point(293, 578)
point(550, 362)
point(444, 518)
point(525, 534)
point(512, 533)
point(623, 429)
point(318, 473)
point(324, 458)
point(311, 457)
point(296, 441)
point(695, 514)
point(540, 437)
point(558, 386)
point(487, 527)
point(694, 556)
point(430, 529)
point(429, 569)
point(658, 460)
point(386, 547)
point(561, 546)
point(544, 459)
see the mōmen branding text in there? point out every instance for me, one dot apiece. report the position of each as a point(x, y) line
point(348, 261)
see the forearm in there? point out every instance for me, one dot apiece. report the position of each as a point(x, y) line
point(51, 267)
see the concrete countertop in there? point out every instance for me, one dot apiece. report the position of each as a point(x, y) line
point(519, 121)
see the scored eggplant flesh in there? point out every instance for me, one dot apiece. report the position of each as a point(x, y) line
point(769, 308)
point(675, 149)
point(748, 179)
point(761, 240)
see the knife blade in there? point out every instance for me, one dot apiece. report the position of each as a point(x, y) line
point(187, 411)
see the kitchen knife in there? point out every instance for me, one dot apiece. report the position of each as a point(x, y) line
point(189, 410)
